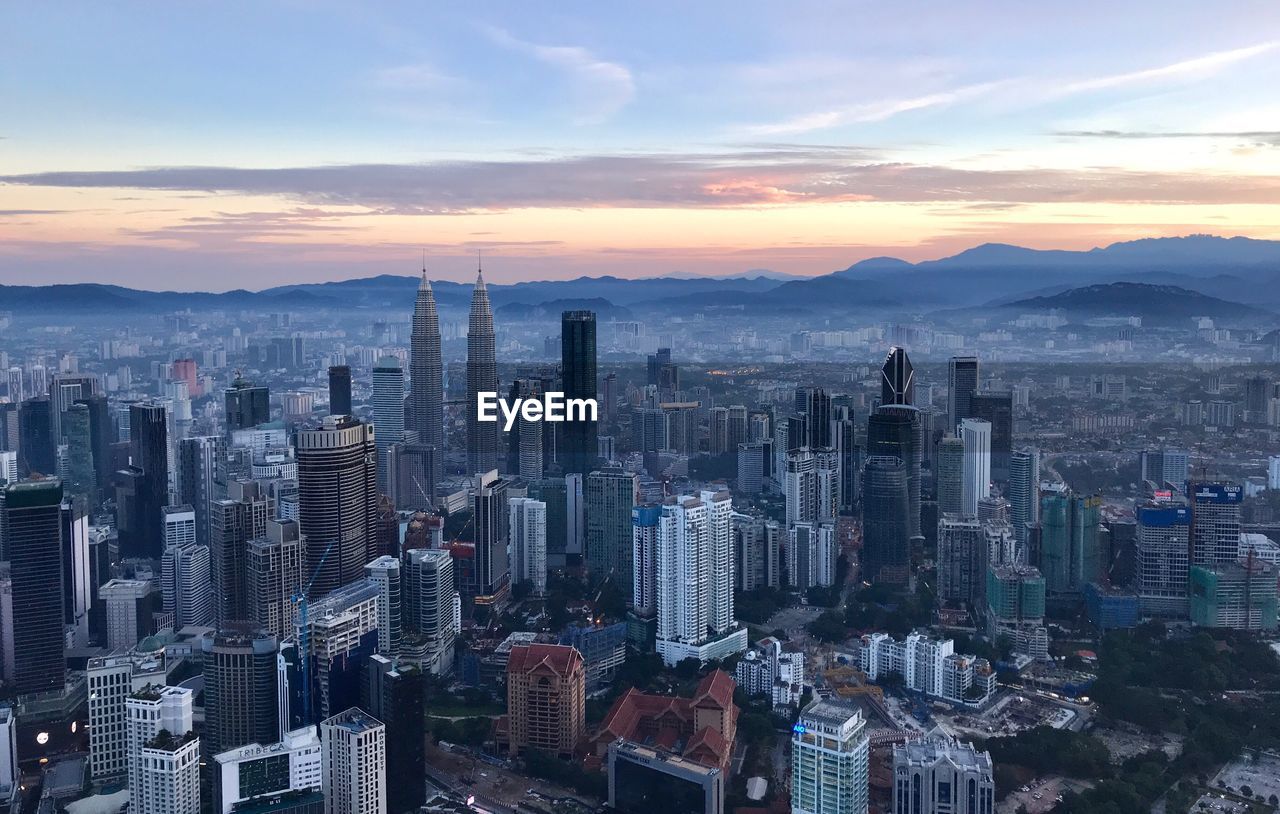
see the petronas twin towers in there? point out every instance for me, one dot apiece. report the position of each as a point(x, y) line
point(427, 378)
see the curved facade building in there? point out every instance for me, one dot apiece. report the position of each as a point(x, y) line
point(337, 501)
point(482, 376)
point(426, 377)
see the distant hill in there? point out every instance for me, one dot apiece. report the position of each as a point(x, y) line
point(1156, 303)
point(552, 309)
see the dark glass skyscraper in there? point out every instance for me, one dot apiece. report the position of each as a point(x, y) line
point(337, 501)
point(578, 360)
point(240, 690)
point(149, 452)
point(996, 408)
point(962, 383)
point(897, 379)
point(886, 551)
point(817, 413)
point(36, 452)
point(482, 376)
point(426, 376)
point(894, 430)
point(102, 434)
point(33, 522)
point(247, 405)
point(340, 390)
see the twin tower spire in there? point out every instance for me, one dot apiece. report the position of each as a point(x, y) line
point(426, 372)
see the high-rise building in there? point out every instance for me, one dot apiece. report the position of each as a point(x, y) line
point(1015, 607)
point(996, 408)
point(234, 521)
point(644, 779)
point(33, 534)
point(525, 456)
point(202, 478)
point(1215, 522)
point(164, 752)
point(609, 495)
point(815, 407)
point(64, 390)
point(936, 776)
point(275, 777)
point(949, 476)
point(1164, 466)
point(110, 681)
point(975, 484)
point(82, 482)
point(385, 573)
point(962, 559)
point(354, 763)
point(962, 383)
point(829, 759)
point(101, 436)
point(811, 485)
point(337, 501)
point(413, 470)
point(578, 361)
point(546, 700)
point(130, 604)
point(1023, 492)
point(812, 553)
point(388, 413)
point(339, 390)
point(426, 375)
point(489, 507)
point(247, 405)
point(1070, 548)
point(482, 377)
point(1163, 554)
point(894, 430)
point(886, 539)
point(186, 571)
point(78, 580)
point(273, 577)
point(149, 453)
point(528, 519)
point(241, 689)
point(757, 552)
point(396, 694)
point(897, 379)
point(36, 447)
point(1236, 595)
point(431, 606)
point(693, 568)
point(751, 461)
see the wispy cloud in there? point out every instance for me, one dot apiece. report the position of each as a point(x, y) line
point(1195, 68)
point(1257, 137)
point(416, 77)
point(868, 112)
point(600, 88)
point(749, 178)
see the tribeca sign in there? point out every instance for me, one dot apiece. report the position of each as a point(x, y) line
point(552, 407)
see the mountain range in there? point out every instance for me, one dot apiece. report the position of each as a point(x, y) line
point(1225, 270)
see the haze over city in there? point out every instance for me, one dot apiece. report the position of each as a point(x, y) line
point(204, 150)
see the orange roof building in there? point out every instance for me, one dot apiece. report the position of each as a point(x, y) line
point(701, 728)
point(546, 700)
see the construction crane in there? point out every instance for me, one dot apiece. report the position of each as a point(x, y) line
point(304, 636)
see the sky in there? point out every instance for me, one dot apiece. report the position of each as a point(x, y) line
point(211, 146)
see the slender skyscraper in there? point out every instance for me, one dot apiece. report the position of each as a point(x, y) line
point(149, 451)
point(33, 519)
point(426, 383)
point(975, 435)
point(962, 382)
point(886, 547)
point(482, 376)
point(578, 359)
point(340, 390)
point(898, 383)
point(337, 501)
point(388, 414)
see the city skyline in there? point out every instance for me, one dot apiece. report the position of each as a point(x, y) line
point(341, 143)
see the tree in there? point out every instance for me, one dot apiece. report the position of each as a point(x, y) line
point(829, 627)
point(688, 668)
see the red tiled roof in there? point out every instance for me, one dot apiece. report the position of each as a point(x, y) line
point(663, 720)
point(562, 659)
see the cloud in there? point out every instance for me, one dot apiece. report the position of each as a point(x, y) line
point(1196, 68)
point(751, 177)
point(600, 88)
point(1259, 137)
point(416, 77)
point(868, 112)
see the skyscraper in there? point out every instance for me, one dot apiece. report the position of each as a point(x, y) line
point(149, 452)
point(337, 501)
point(886, 548)
point(693, 567)
point(186, 574)
point(975, 434)
point(101, 436)
point(1070, 549)
point(962, 559)
point(273, 577)
point(354, 761)
point(1024, 492)
point(1163, 560)
point(962, 383)
point(33, 530)
point(897, 379)
point(996, 408)
point(528, 519)
point(546, 700)
point(396, 694)
point(894, 430)
point(578, 361)
point(246, 404)
point(609, 495)
point(164, 752)
point(202, 478)
point(1215, 522)
point(426, 377)
point(234, 521)
point(240, 689)
point(35, 445)
point(81, 482)
point(64, 390)
point(492, 534)
point(933, 776)
point(340, 390)
point(482, 377)
point(949, 476)
point(431, 606)
point(385, 573)
point(388, 413)
point(829, 759)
